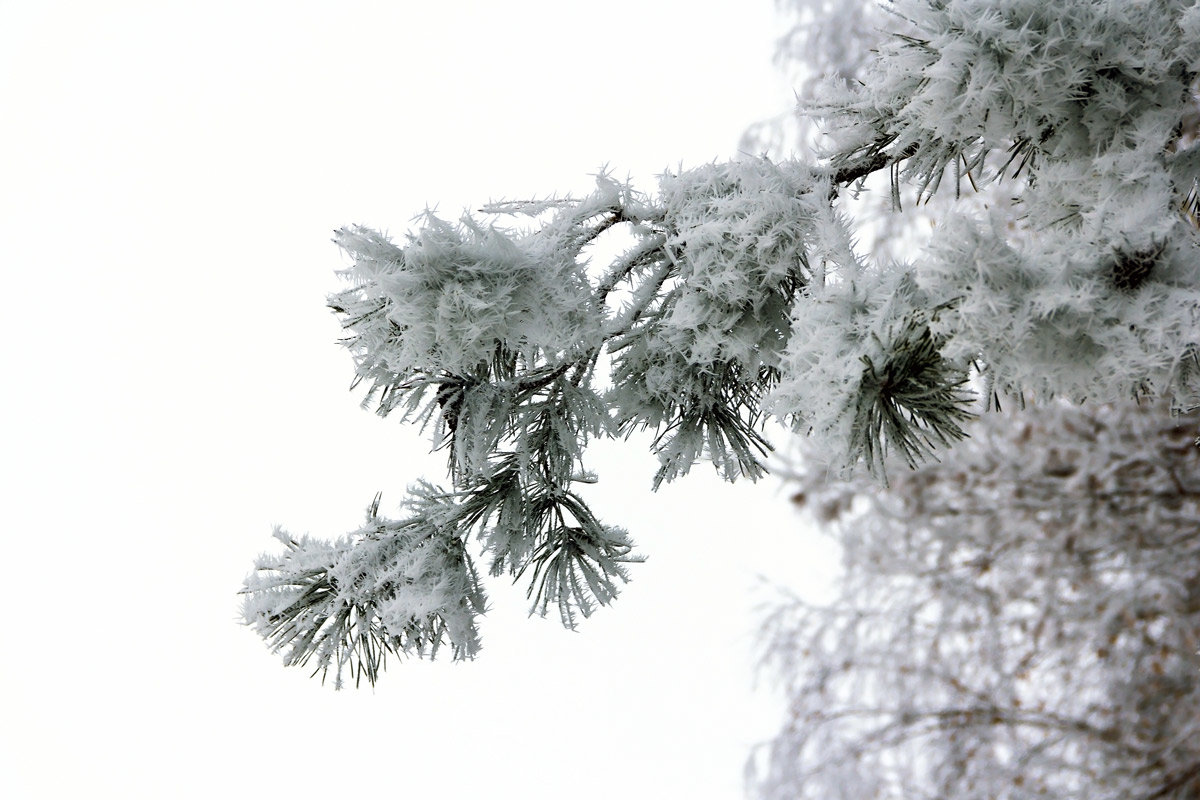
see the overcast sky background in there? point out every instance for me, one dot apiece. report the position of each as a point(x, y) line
point(171, 175)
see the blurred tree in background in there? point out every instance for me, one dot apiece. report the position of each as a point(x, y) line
point(1019, 620)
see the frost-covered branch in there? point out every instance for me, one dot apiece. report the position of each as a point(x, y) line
point(745, 297)
point(392, 587)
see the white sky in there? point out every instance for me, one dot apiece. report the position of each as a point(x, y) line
point(170, 178)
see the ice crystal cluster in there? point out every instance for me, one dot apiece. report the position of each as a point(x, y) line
point(744, 296)
point(1020, 620)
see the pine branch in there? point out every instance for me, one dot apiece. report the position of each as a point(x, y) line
point(392, 587)
point(913, 401)
point(877, 158)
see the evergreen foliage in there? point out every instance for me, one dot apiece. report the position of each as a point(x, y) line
point(744, 296)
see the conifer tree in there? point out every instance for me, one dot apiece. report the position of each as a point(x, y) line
point(744, 297)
